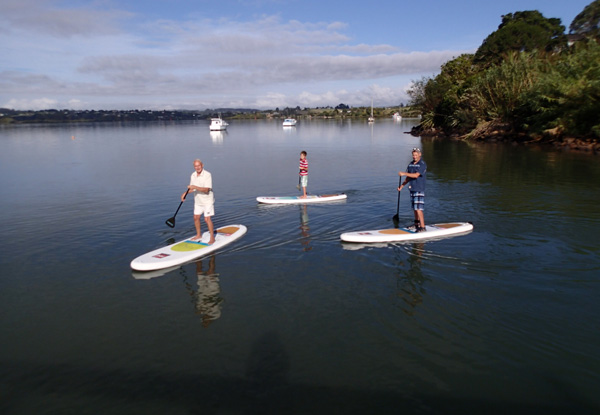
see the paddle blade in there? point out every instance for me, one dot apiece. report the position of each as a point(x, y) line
point(170, 222)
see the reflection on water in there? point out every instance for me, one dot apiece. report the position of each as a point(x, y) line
point(410, 279)
point(304, 228)
point(217, 136)
point(207, 295)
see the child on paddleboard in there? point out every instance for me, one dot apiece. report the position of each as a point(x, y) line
point(416, 179)
point(303, 173)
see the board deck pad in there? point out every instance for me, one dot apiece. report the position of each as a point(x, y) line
point(437, 230)
point(187, 250)
point(299, 199)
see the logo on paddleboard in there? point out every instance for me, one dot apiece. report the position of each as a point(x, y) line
point(160, 256)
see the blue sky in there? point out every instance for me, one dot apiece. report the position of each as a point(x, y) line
point(197, 54)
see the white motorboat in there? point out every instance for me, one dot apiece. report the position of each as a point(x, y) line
point(397, 116)
point(218, 124)
point(289, 122)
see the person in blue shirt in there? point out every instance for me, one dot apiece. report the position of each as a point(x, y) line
point(416, 179)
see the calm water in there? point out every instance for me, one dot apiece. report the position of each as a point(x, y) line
point(288, 319)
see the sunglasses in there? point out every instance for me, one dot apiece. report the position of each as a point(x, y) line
point(416, 149)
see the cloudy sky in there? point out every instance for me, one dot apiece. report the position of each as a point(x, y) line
point(197, 54)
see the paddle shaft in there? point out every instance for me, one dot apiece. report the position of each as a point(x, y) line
point(171, 221)
point(396, 217)
point(398, 204)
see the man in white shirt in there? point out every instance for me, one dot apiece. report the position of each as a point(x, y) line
point(204, 199)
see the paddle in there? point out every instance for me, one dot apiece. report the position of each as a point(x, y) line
point(298, 186)
point(171, 221)
point(396, 218)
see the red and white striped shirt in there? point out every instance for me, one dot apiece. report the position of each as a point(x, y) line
point(303, 167)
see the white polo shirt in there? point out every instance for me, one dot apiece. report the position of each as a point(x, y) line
point(203, 179)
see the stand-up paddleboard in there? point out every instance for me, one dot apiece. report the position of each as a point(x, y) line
point(187, 250)
point(298, 199)
point(404, 234)
point(148, 275)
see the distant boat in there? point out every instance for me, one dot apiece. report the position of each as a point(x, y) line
point(371, 118)
point(397, 116)
point(218, 124)
point(289, 122)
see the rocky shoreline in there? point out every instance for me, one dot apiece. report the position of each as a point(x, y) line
point(495, 134)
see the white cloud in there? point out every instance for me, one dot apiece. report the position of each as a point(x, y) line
point(33, 104)
point(88, 57)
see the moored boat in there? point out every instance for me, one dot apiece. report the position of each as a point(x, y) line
point(218, 124)
point(371, 119)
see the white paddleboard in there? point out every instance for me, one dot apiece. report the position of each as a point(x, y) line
point(298, 199)
point(403, 234)
point(187, 250)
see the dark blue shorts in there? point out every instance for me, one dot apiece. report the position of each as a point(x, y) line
point(417, 200)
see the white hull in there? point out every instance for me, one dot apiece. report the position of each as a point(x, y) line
point(218, 124)
point(187, 250)
point(288, 200)
point(403, 234)
point(289, 122)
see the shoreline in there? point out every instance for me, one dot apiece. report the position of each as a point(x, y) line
point(583, 145)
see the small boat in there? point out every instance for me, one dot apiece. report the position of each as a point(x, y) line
point(289, 122)
point(371, 118)
point(397, 116)
point(218, 124)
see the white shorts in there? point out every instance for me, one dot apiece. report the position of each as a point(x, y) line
point(207, 210)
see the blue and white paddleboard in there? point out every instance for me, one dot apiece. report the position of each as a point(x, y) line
point(299, 199)
point(187, 250)
point(403, 234)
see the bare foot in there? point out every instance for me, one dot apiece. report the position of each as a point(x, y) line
point(212, 241)
point(196, 238)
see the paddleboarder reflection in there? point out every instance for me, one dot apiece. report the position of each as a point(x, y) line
point(410, 281)
point(207, 298)
point(305, 240)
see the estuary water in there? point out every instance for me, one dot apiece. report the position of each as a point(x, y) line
point(289, 320)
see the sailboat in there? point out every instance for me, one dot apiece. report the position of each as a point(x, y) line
point(371, 118)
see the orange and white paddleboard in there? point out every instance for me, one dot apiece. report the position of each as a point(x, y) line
point(187, 250)
point(403, 234)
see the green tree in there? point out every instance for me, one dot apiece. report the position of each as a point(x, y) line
point(586, 23)
point(566, 98)
point(524, 31)
point(498, 94)
point(441, 99)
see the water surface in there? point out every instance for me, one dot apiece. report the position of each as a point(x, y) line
point(289, 319)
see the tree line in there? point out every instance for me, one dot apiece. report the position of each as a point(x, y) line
point(527, 81)
point(11, 116)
